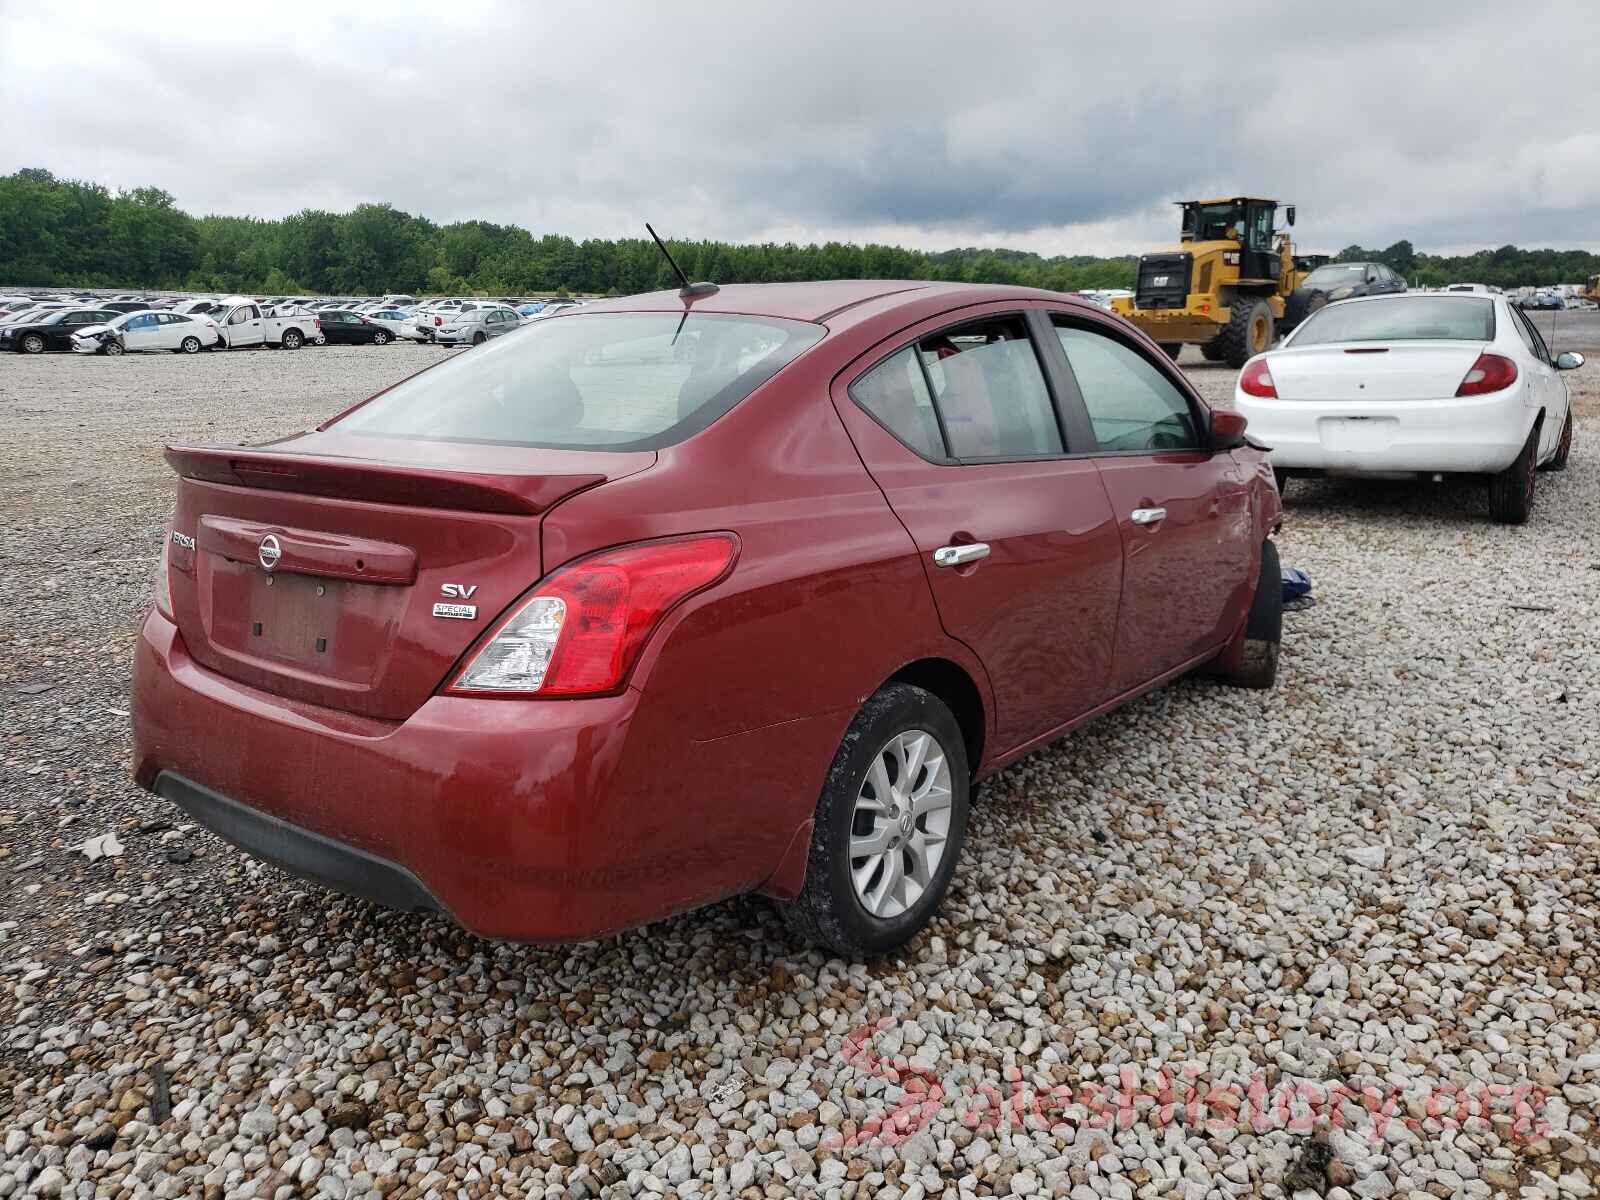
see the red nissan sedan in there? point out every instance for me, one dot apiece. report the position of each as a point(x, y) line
point(693, 594)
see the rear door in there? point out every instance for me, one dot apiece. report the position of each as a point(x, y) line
point(59, 335)
point(1183, 512)
point(958, 425)
point(173, 329)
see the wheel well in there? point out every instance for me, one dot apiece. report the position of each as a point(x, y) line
point(954, 686)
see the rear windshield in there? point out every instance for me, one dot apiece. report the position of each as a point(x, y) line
point(600, 381)
point(1401, 319)
point(1337, 275)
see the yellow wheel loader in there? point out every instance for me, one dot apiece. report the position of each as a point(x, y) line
point(1226, 287)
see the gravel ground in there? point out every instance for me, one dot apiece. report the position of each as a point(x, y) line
point(1379, 876)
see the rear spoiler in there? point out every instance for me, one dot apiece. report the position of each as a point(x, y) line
point(381, 483)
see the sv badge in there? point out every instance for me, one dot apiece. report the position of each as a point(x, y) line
point(459, 591)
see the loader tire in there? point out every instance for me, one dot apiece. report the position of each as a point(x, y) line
point(1248, 332)
point(1213, 350)
point(1301, 304)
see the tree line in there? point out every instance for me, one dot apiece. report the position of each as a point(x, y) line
point(71, 233)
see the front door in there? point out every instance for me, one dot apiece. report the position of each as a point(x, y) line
point(142, 332)
point(244, 326)
point(957, 425)
point(1183, 512)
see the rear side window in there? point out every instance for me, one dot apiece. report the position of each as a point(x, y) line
point(896, 393)
point(1132, 405)
point(602, 381)
point(1402, 319)
point(1531, 335)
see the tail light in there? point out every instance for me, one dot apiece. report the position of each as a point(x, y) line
point(1256, 380)
point(438, 321)
point(583, 628)
point(1491, 373)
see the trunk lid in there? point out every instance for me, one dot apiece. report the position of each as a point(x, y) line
point(319, 564)
point(1373, 371)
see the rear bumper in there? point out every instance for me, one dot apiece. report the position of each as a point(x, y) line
point(299, 851)
point(537, 821)
point(1476, 435)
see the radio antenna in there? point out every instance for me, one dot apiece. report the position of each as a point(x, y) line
point(688, 290)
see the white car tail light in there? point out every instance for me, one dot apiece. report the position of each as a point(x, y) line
point(1491, 373)
point(1256, 380)
point(583, 628)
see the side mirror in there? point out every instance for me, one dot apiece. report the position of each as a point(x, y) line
point(1227, 429)
point(1570, 361)
point(1289, 214)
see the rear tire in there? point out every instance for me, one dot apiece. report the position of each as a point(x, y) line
point(190, 345)
point(832, 907)
point(1281, 478)
point(292, 339)
point(1564, 447)
point(380, 338)
point(1248, 332)
point(1511, 491)
point(1172, 349)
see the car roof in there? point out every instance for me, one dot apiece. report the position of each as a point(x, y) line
point(836, 301)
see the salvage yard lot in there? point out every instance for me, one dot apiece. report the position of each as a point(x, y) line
point(1381, 875)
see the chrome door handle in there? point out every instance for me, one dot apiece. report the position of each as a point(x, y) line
point(955, 556)
point(1147, 516)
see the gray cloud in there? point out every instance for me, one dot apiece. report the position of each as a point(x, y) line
point(1041, 125)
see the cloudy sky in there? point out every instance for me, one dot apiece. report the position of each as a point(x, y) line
point(1057, 126)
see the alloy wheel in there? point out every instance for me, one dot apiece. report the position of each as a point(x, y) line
point(900, 828)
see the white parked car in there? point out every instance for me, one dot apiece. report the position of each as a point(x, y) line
point(396, 321)
point(1415, 384)
point(132, 332)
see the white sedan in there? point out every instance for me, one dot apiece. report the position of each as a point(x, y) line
point(1415, 384)
point(180, 332)
point(397, 321)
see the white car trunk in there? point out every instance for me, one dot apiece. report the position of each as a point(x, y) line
point(1373, 371)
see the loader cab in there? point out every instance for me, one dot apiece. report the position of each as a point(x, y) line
point(1241, 219)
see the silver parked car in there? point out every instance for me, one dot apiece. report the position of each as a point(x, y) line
point(475, 325)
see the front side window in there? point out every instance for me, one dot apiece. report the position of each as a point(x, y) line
point(1133, 405)
point(602, 381)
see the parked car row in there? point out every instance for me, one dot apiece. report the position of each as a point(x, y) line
point(39, 324)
